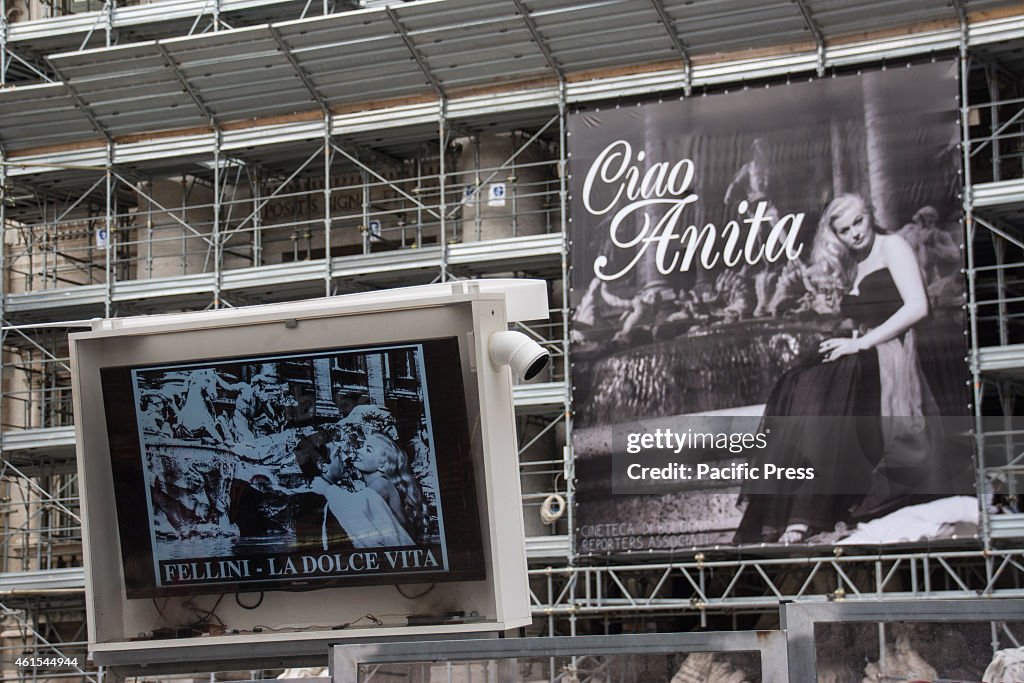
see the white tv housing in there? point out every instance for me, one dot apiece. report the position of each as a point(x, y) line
point(288, 623)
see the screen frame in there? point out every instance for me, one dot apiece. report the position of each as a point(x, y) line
point(446, 405)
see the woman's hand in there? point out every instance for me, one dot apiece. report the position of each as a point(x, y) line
point(840, 346)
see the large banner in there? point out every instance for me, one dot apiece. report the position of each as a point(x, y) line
point(768, 326)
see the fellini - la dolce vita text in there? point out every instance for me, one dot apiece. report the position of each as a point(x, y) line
point(667, 440)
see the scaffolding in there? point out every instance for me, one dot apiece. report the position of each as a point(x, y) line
point(194, 155)
point(804, 651)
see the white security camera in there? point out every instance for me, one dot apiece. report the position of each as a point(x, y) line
point(523, 355)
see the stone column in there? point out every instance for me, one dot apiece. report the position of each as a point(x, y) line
point(175, 249)
point(530, 190)
point(880, 181)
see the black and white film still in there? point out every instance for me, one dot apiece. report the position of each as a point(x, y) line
point(291, 471)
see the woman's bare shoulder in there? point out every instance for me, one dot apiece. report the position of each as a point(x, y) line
point(894, 245)
point(891, 238)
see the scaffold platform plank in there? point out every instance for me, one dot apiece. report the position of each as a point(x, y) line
point(274, 275)
point(386, 263)
point(51, 300)
point(68, 31)
point(998, 194)
point(514, 249)
point(43, 581)
point(1006, 526)
point(542, 397)
point(180, 285)
point(49, 439)
point(548, 547)
point(1002, 359)
point(383, 267)
point(999, 205)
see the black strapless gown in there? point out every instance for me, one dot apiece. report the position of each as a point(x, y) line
point(841, 451)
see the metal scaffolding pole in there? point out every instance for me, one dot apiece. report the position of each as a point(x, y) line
point(567, 452)
point(259, 206)
point(328, 154)
point(972, 281)
point(993, 96)
point(1007, 401)
point(563, 209)
point(508, 163)
point(184, 205)
point(216, 238)
point(442, 207)
point(256, 181)
point(477, 204)
point(3, 44)
point(43, 494)
point(677, 44)
point(420, 206)
point(999, 245)
point(108, 21)
point(149, 236)
point(730, 585)
point(51, 648)
point(108, 223)
point(365, 234)
point(3, 294)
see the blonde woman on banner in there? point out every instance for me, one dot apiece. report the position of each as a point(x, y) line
point(872, 373)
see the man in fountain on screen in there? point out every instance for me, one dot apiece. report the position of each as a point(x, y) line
point(254, 414)
point(337, 515)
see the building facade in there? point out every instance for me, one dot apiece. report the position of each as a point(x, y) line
point(188, 155)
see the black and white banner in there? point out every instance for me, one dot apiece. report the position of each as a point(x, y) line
point(767, 325)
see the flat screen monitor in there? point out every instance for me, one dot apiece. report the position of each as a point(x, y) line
point(297, 471)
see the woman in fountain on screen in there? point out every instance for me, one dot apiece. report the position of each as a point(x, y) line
point(337, 515)
point(871, 371)
point(385, 469)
